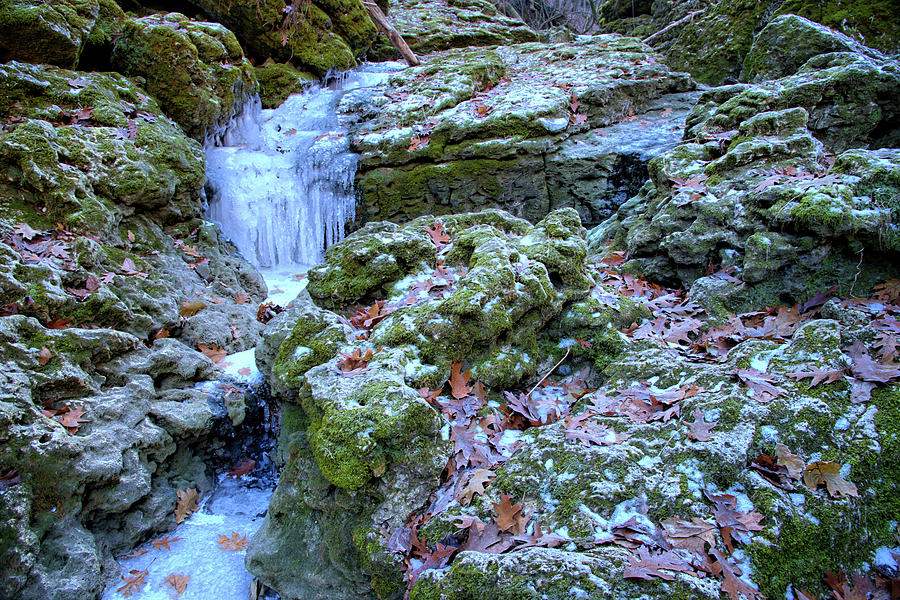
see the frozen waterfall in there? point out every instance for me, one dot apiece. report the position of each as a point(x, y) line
point(281, 181)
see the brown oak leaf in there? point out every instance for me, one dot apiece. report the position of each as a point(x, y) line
point(235, 543)
point(178, 582)
point(134, 583)
point(186, 504)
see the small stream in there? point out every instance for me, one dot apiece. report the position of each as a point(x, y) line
point(281, 188)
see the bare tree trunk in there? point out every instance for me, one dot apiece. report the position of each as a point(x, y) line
point(387, 29)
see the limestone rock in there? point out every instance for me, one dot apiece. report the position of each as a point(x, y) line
point(104, 487)
point(196, 70)
point(432, 25)
point(714, 45)
point(315, 37)
point(54, 33)
point(754, 189)
point(479, 128)
point(787, 42)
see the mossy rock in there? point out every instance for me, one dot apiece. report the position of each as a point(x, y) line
point(770, 205)
point(714, 45)
point(46, 32)
point(277, 81)
point(196, 70)
point(316, 37)
point(433, 25)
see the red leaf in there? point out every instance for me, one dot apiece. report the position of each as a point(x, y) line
point(439, 237)
point(459, 387)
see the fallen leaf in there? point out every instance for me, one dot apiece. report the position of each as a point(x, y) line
point(44, 356)
point(189, 309)
point(793, 463)
point(241, 298)
point(509, 516)
point(25, 230)
point(186, 504)
point(213, 351)
point(235, 543)
point(459, 381)
point(699, 429)
point(475, 483)
point(71, 419)
point(134, 583)
point(9, 479)
point(179, 582)
point(438, 235)
point(136, 552)
point(828, 473)
point(647, 566)
point(242, 468)
point(130, 236)
point(163, 542)
point(59, 323)
point(244, 371)
point(129, 268)
point(762, 384)
point(732, 584)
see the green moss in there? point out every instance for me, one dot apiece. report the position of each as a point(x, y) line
point(311, 342)
point(873, 22)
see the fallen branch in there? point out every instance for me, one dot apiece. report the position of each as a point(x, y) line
point(670, 26)
point(549, 372)
point(387, 29)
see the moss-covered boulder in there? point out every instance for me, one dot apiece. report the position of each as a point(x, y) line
point(316, 37)
point(367, 448)
point(110, 189)
point(473, 128)
point(55, 33)
point(786, 43)
point(432, 25)
point(713, 45)
point(196, 70)
point(277, 81)
point(757, 186)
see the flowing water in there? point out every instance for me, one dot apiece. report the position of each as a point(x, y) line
point(281, 188)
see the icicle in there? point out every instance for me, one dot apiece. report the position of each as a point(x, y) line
point(281, 181)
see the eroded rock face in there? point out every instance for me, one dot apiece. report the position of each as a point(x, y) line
point(109, 483)
point(787, 181)
point(316, 37)
point(196, 70)
point(493, 127)
point(433, 25)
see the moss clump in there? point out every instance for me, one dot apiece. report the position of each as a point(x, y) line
point(311, 342)
point(277, 81)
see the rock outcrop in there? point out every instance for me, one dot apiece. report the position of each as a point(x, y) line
point(316, 37)
point(785, 181)
point(195, 70)
point(495, 127)
point(433, 25)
